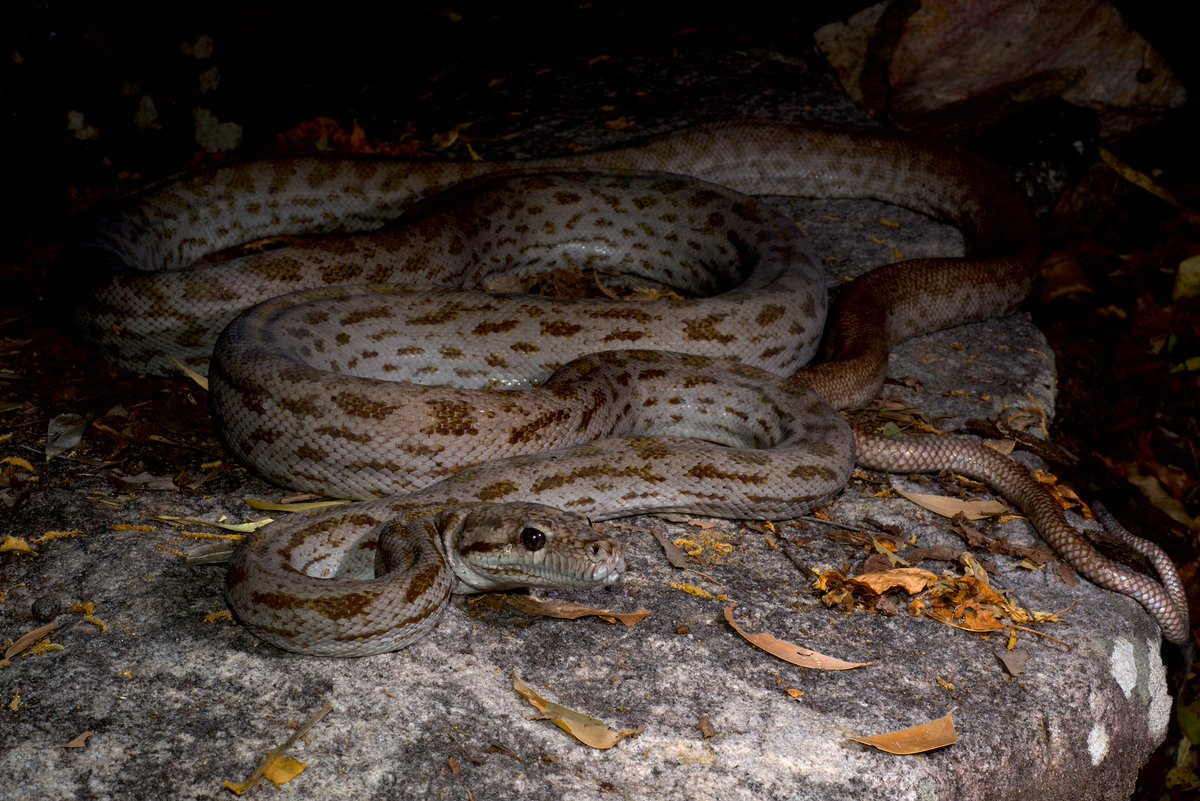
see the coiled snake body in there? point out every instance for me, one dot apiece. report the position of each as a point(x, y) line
point(481, 487)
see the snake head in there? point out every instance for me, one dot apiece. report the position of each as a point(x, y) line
point(509, 545)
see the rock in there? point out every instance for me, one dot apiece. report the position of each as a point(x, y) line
point(957, 68)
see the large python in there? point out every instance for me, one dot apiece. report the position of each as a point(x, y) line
point(294, 389)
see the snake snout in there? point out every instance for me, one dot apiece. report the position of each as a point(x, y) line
point(608, 561)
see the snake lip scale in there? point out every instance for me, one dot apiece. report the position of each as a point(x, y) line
point(395, 360)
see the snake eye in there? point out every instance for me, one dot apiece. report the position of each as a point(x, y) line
point(533, 538)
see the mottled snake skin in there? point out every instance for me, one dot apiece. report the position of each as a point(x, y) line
point(472, 476)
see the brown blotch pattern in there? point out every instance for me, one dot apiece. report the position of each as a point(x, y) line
point(452, 418)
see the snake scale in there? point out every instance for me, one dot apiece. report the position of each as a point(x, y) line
point(396, 361)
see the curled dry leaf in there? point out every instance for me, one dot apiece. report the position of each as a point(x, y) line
point(910, 579)
point(587, 730)
point(789, 652)
point(915, 740)
point(949, 507)
point(566, 610)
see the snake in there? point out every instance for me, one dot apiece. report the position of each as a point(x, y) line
point(395, 358)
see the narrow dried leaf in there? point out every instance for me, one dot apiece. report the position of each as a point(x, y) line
point(915, 740)
point(29, 638)
point(910, 579)
point(213, 553)
point(949, 507)
point(1137, 178)
point(242, 528)
point(587, 730)
point(143, 481)
point(201, 381)
point(566, 610)
point(271, 506)
point(789, 652)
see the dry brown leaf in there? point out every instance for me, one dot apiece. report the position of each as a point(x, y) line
point(566, 610)
point(29, 638)
point(949, 507)
point(675, 557)
point(910, 579)
point(1014, 660)
point(789, 652)
point(916, 739)
point(78, 742)
point(587, 730)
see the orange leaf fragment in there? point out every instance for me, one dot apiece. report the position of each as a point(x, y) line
point(278, 768)
point(910, 579)
point(790, 652)
point(565, 610)
point(584, 728)
point(915, 740)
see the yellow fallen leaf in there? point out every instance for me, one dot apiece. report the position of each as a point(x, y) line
point(587, 730)
point(916, 739)
point(88, 610)
point(11, 544)
point(18, 462)
point(564, 610)
point(691, 589)
point(949, 507)
point(789, 652)
point(279, 769)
